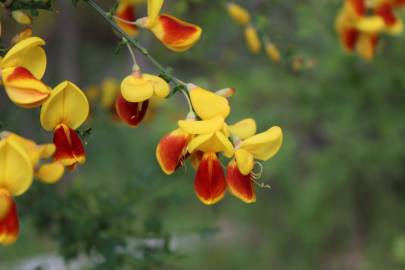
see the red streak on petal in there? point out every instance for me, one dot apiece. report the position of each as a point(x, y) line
point(350, 37)
point(9, 225)
point(399, 3)
point(131, 113)
point(175, 31)
point(386, 12)
point(69, 148)
point(171, 151)
point(20, 73)
point(359, 6)
point(210, 184)
point(240, 185)
point(127, 13)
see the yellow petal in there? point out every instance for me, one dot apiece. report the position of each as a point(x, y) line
point(212, 142)
point(264, 145)
point(27, 54)
point(244, 161)
point(373, 24)
point(16, 170)
point(244, 129)
point(252, 39)
point(272, 52)
point(30, 147)
point(67, 105)
point(202, 127)
point(109, 91)
point(136, 89)
point(154, 7)
point(238, 13)
point(208, 105)
point(50, 173)
point(21, 17)
point(46, 150)
point(161, 87)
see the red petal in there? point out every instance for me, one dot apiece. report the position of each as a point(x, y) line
point(349, 38)
point(131, 113)
point(9, 225)
point(359, 6)
point(175, 31)
point(69, 148)
point(240, 185)
point(210, 184)
point(172, 150)
point(127, 12)
point(386, 12)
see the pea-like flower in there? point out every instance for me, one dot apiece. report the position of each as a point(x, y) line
point(136, 91)
point(125, 14)
point(177, 35)
point(20, 161)
point(66, 110)
point(22, 69)
point(248, 148)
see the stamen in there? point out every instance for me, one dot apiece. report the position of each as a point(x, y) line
point(256, 175)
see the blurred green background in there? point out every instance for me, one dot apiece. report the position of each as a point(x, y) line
point(338, 184)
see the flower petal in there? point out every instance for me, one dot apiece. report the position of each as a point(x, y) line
point(9, 225)
point(172, 150)
point(239, 14)
point(136, 89)
point(208, 105)
point(243, 129)
point(16, 168)
point(252, 39)
point(357, 6)
point(160, 87)
point(386, 11)
point(21, 17)
point(366, 46)
point(210, 184)
point(30, 147)
point(126, 11)
point(213, 142)
point(131, 113)
point(241, 186)
point(67, 105)
point(202, 127)
point(264, 145)
point(175, 34)
point(109, 91)
point(69, 148)
point(154, 7)
point(245, 161)
point(50, 173)
point(27, 54)
point(23, 88)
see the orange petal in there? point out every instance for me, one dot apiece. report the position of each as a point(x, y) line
point(358, 6)
point(386, 11)
point(69, 148)
point(175, 34)
point(9, 226)
point(126, 11)
point(131, 113)
point(240, 185)
point(366, 46)
point(172, 150)
point(23, 88)
point(210, 184)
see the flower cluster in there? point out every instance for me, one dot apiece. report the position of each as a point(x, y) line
point(21, 160)
point(242, 17)
point(360, 22)
point(204, 134)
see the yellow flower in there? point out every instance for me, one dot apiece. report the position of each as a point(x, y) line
point(238, 13)
point(207, 104)
point(66, 110)
point(21, 17)
point(252, 39)
point(136, 91)
point(248, 148)
point(272, 52)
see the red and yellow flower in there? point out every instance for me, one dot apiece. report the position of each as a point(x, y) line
point(136, 91)
point(248, 148)
point(22, 69)
point(66, 110)
point(125, 16)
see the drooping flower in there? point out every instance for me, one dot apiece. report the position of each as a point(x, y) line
point(66, 110)
point(177, 35)
point(252, 39)
point(22, 69)
point(126, 13)
point(239, 14)
point(136, 91)
point(248, 148)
